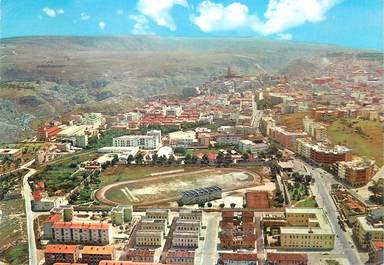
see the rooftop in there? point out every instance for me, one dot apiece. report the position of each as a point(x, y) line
point(65, 249)
point(81, 225)
point(99, 250)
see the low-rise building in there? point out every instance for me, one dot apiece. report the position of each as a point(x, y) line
point(180, 257)
point(249, 146)
point(288, 258)
point(61, 253)
point(147, 224)
point(201, 195)
point(149, 238)
point(188, 226)
point(228, 139)
point(235, 258)
point(307, 228)
point(10, 154)
point(376, 252)
point(121, 214)
point(185, 239)
point(92, 255)
point(356, 172)
point(284, 137)
point(150, 141)
point(367, 228)
point(140, 255)
point(190, 214)
point(153, 213)
point(182, 139)
point(82, 232)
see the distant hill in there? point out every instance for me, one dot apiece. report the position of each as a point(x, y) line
point(44, 76)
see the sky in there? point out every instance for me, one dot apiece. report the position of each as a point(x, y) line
point(350, 23)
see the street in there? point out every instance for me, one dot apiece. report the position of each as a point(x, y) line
point(27, 193)
point(343, 241)
point(207, 253)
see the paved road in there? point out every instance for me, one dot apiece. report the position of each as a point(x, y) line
point(27, 193)
point(208, 252)
point(323, 182)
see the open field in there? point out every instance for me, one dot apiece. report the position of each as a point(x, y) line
point(369, 142)
point(13, 232)
point(293, 121)
point(145, 189)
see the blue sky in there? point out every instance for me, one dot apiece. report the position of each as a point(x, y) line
point(351, 23)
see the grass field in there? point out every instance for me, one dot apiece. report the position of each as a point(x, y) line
point(13, 229)
point(293, 121)
point(308, 202)
point(368, 143)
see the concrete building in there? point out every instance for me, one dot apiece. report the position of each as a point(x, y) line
point(82, 232)
point(190, 214)
point(249, 146)
point(92, 255)
point(356, 172)
point(235, 258)
point(153, 213)
point(121, 214)
point(173, 111)
point(376, 252)
point(10, 154)
point(47, 133)
point(150, 141)
point(93, 119)
point(77, 135)
point(146, 224)
point(284, 137)
point(266, 123)
point(192, 226)
point(315, 129)
point(367, 228)
point(140, 255)
point(182, 257)
point(308, 228)
point(149, 238)
point(228, 139)
point(185, 239)
point(182, 139)
point(61, 253)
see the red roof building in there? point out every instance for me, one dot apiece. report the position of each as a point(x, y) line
point(61, 253)
point(288, 258)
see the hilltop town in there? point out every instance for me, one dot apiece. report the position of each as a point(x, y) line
point(241, 169)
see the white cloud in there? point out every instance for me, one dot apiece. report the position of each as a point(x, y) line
point(120, 12)
point(285, 36)
point(279, 16)
point(49, 11)
point(285, 14)
point(102, 25)
point(84, 16)
point(53, 12)
point(160, 11)
point(141, 26)
point(219, 17)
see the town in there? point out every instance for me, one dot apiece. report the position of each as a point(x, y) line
point(240, 170)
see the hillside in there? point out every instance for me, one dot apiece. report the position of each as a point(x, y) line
point(45, 76)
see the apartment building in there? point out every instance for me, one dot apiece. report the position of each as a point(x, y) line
point(150, 141)
point(153, 213)
point(284, 137)
point(228, 139)
point(307, 228)
point(47, 133)
point(249, 146)
point(54, 253)
point(266, 123)
point(92, 255)
point(146, 224)
point(376, 252)
point(182, 139)
point(181, 257)
point(238, 231)
point(77, 135)
point(185, 239)
point(367, 228)
point(356, 172)
point(149, 238)
point(121, 214)
point(235, 258)
point(316, 130)
point(140, 255)
point(82, 232)
point(192, 226)
point(190, 214)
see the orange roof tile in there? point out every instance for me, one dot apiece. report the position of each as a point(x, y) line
point(99, 250)
point(58, 248)
point(81, 225)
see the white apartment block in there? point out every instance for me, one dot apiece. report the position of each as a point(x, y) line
point(149, 238)
point(189, 214)
point(162, 214)
point(188, 226)
point(82, 233)
point(151, 140)
point(185, 239)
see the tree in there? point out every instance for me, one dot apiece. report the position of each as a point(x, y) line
point(245, 157)
point(155, 158)
point(180, 150)
point(233, 205)
point(205, 159)
point(139, 158)
point(115, 159)
point(222, 205)
point(194, 159)
point(209, 204)
point(180, 203)
point(188, 159)
point(171, 159)
point(130, 158)
point(220, 158)
point(201, 204)
point(308, 179)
